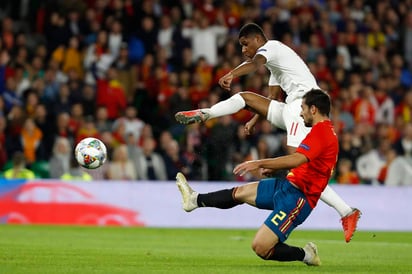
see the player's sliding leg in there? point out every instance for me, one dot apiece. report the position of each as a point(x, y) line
point(226, 107)
point(191, 199)
point(349, 215)
point(268, 246)
point(286, 253)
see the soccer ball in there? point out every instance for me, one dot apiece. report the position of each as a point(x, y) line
point(90, 153)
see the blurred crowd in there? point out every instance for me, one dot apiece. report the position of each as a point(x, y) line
point(119, 70)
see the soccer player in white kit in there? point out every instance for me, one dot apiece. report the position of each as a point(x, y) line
point(288, 72)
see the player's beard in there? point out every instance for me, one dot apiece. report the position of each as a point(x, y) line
point(308, 122)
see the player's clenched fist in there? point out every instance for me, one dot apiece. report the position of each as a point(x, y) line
point(226, 80)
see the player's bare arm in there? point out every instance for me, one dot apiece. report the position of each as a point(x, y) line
point(278, 163)
point(243, 69)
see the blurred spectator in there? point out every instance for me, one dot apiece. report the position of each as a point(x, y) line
point(46, 124)
point(179, 101)
point(51, 88)
point(150, 164)
point(19, 170)
point(241, 147)
point(35, 69)
point(76, 173)
point(205, 36)
point(87, 128)
point(363, 110)
point(369, 165)
point(56, 31)
point(62, 102)
point(31, 141)
point(345, 172)
point(147, 34)
point(88, 100)
point(115, 38)
point(165, 34)
point(97, 58)
point(341, 119)
point(69, 56)
point(121, 167)
point(3, 150)
point(147, 132)
point(273, 139)
point(193, 152)
point(218, 144)
point(22, 82)
point(31, 103)
point(63, 126)
point(119, 133)
point(133, 125)
point(403, 146)
point(102, 122)
point(165, 138)
point(7, 35)
point(399, 171)
point(127, 72)
point(175, 161)
point(76, 117)
point(8, 86)
point(383, 103)
point(60, 161)
point(407, 38)
point(404, 108)
point(110, 93)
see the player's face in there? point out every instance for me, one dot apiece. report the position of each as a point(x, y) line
point(306, 114)
point(249, 45)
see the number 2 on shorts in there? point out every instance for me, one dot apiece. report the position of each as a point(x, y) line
point(279, 216)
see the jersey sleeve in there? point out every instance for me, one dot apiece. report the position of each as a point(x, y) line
point(269, 51)
point(311, 146)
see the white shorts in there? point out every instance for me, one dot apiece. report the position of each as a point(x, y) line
point(287, 117)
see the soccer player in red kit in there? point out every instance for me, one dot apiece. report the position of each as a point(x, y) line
point(292, 199)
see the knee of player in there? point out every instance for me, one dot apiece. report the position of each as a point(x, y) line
point(262, 250)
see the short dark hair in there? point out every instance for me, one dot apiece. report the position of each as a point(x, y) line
point(250, 29)
point(318, 98)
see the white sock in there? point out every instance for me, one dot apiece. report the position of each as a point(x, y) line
point(226, 107)
point(331, 198)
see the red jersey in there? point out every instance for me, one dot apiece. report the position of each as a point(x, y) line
point(321, 148)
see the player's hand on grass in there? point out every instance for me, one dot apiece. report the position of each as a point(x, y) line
point(246, 167)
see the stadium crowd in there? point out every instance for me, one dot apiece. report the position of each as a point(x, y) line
point(119, 70)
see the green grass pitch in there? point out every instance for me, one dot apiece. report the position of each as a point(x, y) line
point(68, 249)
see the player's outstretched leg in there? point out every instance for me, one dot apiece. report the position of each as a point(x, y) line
point(189, 196)
point(311, 255)
point(224, 198)
point(350, 222)
point(222, 108)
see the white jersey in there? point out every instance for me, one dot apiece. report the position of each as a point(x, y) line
point(287, 70)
